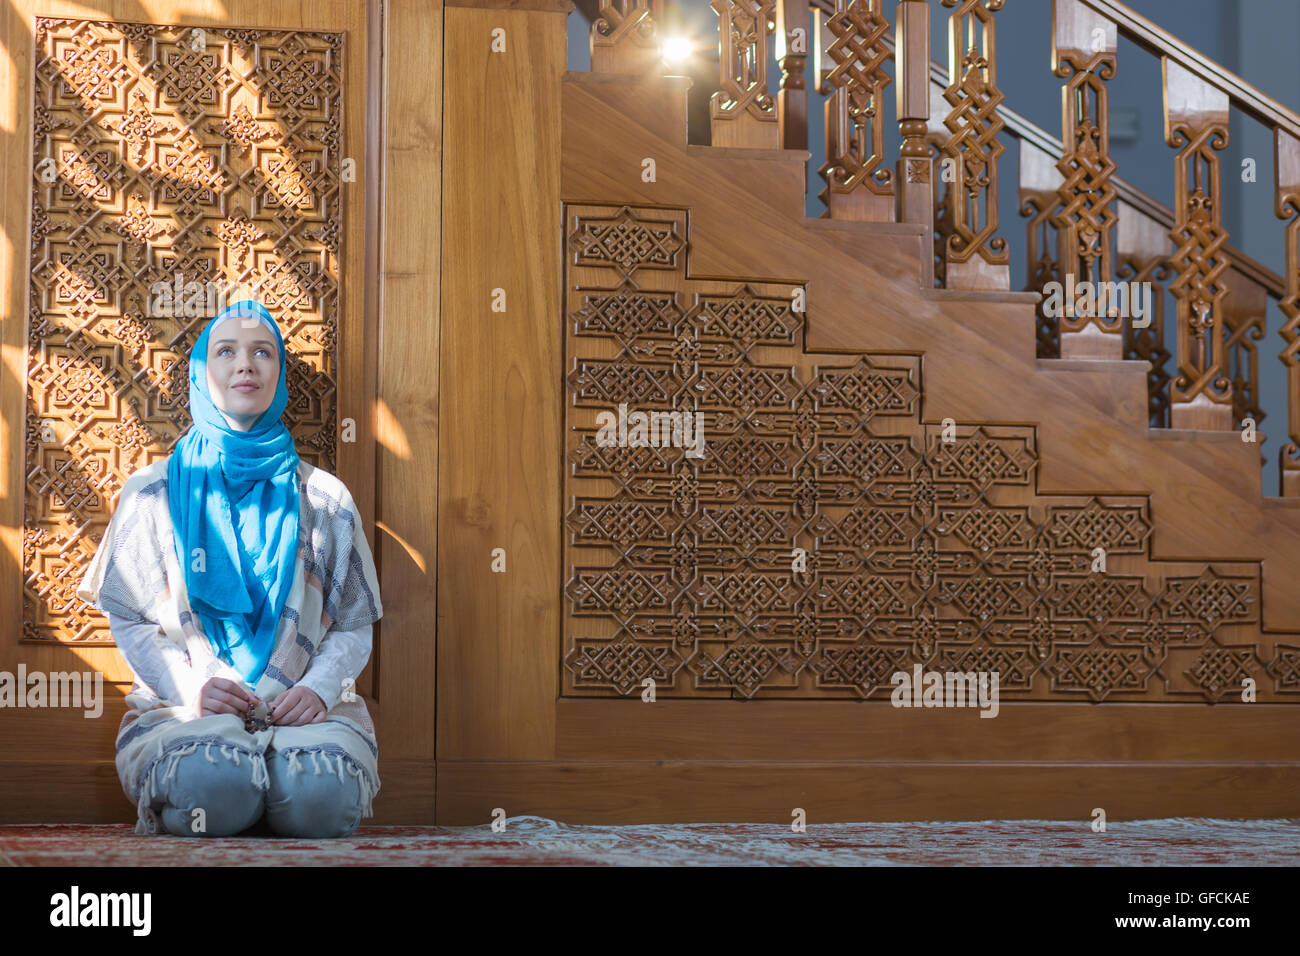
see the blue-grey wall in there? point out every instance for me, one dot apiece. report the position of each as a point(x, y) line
point(1256, 39)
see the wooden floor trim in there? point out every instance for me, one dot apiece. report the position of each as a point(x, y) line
point(627, 792)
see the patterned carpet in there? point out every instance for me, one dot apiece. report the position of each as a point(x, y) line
point(536, 841)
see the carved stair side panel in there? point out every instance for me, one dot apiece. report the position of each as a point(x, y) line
point(816, 536)
point(174, 170)
point(1196, 123)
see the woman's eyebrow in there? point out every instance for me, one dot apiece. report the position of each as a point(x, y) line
point(255, 341)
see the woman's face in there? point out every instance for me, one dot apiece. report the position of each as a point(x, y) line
point(243, 370)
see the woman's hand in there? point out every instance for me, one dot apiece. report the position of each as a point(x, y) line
point(297, 706)
point(222, 696)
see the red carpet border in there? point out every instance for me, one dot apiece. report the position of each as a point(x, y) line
point(536, 841)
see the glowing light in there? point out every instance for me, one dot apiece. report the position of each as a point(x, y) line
point(677, 49)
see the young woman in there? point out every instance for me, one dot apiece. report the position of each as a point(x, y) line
point(240, 588)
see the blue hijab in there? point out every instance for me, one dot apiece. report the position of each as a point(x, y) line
point(235, 495)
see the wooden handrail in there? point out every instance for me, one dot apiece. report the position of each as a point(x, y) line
point(1263, 108)
point(1025, 129)
point(1160, 43)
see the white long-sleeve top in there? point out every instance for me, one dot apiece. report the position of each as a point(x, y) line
point(164, 667)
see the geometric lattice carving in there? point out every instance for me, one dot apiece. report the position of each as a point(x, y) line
point(1086, 217)
point(743, 101)
point(1148, 344)
point(1196, 123)
point(855, 81)
point(919, 549)
point(163, 153)
point(973, 124)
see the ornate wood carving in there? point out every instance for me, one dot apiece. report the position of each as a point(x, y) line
point(1196, 119)
point(936, 137)
point(858, 185)
point(1086, 216)
point(624, 37)
point(1039, 198)
point(1244, 309)
point(923, 546)
point(164, 154)
point(977, 258)
point(1143, 256)
point(1286, 150)
point(742, 112)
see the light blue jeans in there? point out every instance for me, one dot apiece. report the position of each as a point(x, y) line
point(298, 801)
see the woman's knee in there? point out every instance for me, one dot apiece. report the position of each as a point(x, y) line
point(309, 803)
point(208, 797)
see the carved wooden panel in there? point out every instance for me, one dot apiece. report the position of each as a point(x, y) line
point(923, 545)
point(165, 154)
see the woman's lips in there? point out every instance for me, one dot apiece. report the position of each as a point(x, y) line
point(245, 387)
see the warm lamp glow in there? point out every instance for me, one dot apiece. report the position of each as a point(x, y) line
point(677, 49)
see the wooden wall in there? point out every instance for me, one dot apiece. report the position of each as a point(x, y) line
point(56, 764)
point(453, 356)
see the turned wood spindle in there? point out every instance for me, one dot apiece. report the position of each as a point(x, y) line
point(792, 38)
point(912, 89)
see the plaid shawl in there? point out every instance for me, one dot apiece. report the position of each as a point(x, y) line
point(135, 575)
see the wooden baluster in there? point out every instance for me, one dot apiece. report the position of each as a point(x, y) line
point(1039, 198)
point(912, 69)
point(851, 74)
point(1142, 256)
point(1286, 152)
point(623, 37)
point(1244, 308)
point(742, 113)
point(936, 137)
point(791, 55)
point(976, 257)
point(1083, 44)
point(1196, 119)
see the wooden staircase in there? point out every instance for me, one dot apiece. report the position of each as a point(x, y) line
point(1174, 700)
